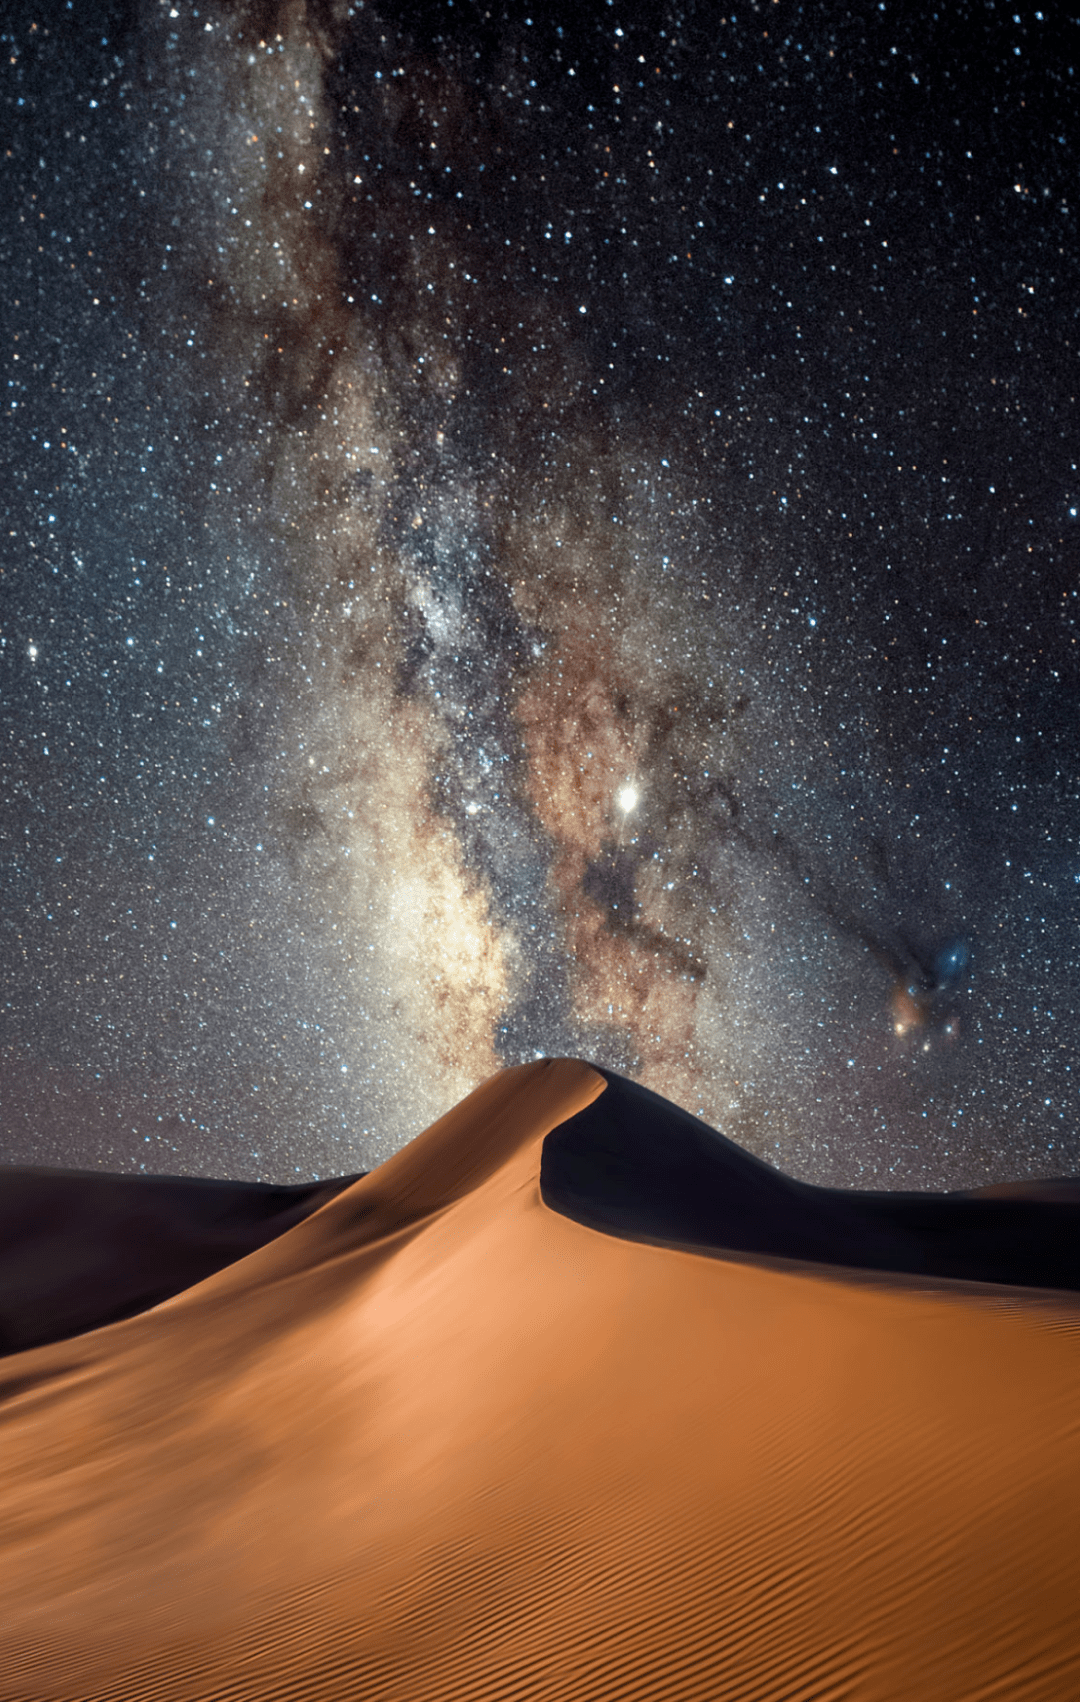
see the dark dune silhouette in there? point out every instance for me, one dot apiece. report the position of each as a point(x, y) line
point(82, 1248)
point(634, 1164)
point(440, 1442)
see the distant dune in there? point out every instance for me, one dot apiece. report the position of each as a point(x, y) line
point(80, 1248)
point(572, 1399)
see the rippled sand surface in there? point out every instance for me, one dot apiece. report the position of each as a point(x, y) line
point(440, 1440)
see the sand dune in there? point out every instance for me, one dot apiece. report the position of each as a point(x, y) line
point(441, 1439)
point(634, 1164)
point(81, 1248)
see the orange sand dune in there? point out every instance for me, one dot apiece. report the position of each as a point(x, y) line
point(440, 1441)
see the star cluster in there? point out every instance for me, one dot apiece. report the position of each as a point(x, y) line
point(540, 534)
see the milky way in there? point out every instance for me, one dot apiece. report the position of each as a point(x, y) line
point(541, 535)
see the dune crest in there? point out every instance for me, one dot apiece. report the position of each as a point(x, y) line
point(440, 1441)
point(505, 1119)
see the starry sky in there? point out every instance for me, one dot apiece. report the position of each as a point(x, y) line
point(531, 533)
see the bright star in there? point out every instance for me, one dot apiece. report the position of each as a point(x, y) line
point(626, 797)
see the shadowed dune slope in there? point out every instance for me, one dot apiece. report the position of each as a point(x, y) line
point(439, 1441)
point(634, 1164)
point(80, 1248)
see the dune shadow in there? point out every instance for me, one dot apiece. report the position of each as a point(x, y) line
point(635, 1165)
point(80, 1249)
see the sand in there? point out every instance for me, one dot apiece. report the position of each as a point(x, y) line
point(441, 1440)
point(635, 1164)
point(82, 1248)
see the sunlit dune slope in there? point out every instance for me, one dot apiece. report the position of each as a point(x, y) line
point(440, 1440)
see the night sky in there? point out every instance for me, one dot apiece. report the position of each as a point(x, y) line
point(538, 533)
